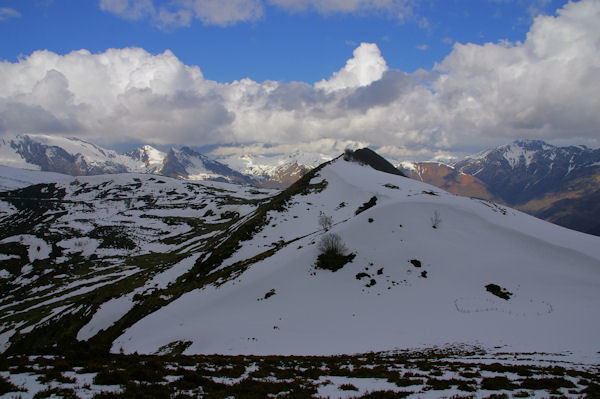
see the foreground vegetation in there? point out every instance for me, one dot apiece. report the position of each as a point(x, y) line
point(450, 372)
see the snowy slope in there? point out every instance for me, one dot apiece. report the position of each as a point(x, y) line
point(87, 246)
point(71, 156)
point(552, 273)
point(13, 178)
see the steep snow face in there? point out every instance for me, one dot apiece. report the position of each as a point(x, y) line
point(189, 164)
point(9, 157)
point(150, 156)
point(430, 269)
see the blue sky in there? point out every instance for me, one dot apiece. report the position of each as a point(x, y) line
point(414, 79)
point(280, 45)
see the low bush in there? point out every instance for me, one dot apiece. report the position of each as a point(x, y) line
point(348, 387)
point(497, 384)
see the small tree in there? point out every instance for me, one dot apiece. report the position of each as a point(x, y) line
point(325, 221)
point(332, 244)
point(435, 219)
point(333, 253)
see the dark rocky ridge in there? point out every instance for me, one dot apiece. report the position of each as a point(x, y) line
point(369, 157)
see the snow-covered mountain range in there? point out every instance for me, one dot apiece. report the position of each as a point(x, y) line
point(77, 157)
point(526, 169)
point(558, 184)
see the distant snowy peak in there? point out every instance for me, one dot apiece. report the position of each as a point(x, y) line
point(150, 156)
point(275, 170)
point(530, 154)
point(77, 157)
point(528, 169)
point(186, 163)
point(70, 156)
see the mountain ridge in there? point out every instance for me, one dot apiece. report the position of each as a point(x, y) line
point(78, 157)
point(558, 184)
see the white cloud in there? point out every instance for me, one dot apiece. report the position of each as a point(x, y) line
point(366, 66)
point(7, 13)
point(480, 95)
point(181, 13)
point(544, 87)
point(228, 12)
point(129, 9)
point(400, 9)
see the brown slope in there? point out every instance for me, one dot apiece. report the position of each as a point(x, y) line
point(449, 179)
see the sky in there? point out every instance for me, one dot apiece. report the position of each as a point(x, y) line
point(413, 79)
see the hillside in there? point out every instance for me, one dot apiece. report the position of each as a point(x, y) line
point(143, 264)
point(475, 244)
point(14, 178)
point(447, 178)
point(71, 246)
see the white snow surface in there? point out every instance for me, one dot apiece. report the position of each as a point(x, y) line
point(553, 275)
point(14, 178)
point(267, 165)
point(517, 155)
point(108, 313)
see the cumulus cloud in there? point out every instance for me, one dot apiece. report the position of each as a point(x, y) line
point(364, 68)
point(7, 13)
point(479, 95)
point(543, 87)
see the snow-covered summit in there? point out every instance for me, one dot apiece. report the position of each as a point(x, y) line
point(150, 156)
point(272, 165)
point(430, 268)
